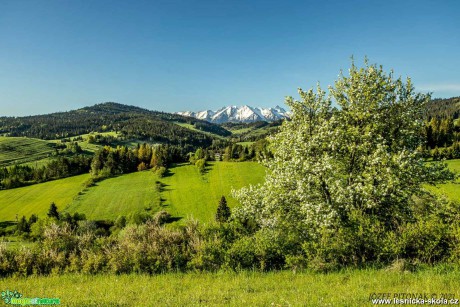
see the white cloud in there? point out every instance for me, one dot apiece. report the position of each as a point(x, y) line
point(441, 87)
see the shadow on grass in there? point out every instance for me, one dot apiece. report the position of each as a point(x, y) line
point(167, 173)
point(6, 224)
point(174, 219)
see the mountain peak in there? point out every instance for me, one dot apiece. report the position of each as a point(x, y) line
point(245, 114)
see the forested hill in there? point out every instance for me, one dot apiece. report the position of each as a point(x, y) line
point(130, 121)
point(444, 108)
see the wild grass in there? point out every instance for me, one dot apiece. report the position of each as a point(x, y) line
point(285, 288)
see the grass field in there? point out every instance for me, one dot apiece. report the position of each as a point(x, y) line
point(188, 193)
point(240, 131)
point(450, 190)
point(37, 198)
point(347, 288)
point(185, 192)
point(20, 150)
point(118, 196)
point(192, 127)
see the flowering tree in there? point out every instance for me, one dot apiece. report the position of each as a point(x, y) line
point(331, 162)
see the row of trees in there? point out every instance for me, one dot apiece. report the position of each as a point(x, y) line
point(60, 167)
point(111, 161)
point(451, 152)
point(441, 132)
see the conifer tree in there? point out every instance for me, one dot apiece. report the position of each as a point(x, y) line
point(223, 211)
point(53, 212)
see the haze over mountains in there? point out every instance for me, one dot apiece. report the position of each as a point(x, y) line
point(245, 114)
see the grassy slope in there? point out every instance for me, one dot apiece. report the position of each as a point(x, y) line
point(349, 288)
point(188, 193)
point(118, 196)
point(185, 192)
point(192, 127)
point(37, 198)
point(19, 150)
point(450, 190)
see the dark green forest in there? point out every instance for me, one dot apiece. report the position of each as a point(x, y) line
point(132, 122)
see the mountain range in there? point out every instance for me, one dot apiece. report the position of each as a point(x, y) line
point(244, 114)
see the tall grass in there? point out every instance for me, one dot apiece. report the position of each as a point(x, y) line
point(346, 288)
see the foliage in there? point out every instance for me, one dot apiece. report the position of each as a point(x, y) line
point(342, 184)
point(329, 163)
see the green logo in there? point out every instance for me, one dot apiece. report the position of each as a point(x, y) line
point(15, 298)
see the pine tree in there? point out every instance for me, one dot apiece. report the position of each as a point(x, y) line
point(22, 225)
point(223, 211)
point(53, 212)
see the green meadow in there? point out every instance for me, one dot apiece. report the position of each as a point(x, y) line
point(19, 150)
point(452, 189)
point(36, 199)
point(188, 193)
point(192, 127)
point(118, 196)
point(184, 192)
point(285, 288)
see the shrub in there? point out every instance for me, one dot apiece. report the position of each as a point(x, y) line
point(242, 254)
point(160, 171)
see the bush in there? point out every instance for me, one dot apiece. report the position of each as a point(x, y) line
point(201, 165)
point(160, 171)
point(242, 254)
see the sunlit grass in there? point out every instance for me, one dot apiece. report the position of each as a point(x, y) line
point(286, 288)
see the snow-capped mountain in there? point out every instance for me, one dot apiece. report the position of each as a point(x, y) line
point(245, 114)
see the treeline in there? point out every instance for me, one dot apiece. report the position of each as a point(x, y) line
point(61, 167)
point(110, 161)
point(106, 162)
point(253, 152)
point(442, 137)
point(234, 152)
point(443, 108)
point(442, 129)
point(132, 122)
point(441, 132)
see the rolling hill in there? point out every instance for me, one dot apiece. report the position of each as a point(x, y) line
point(36, 199)
point(130, 121)
point(184, 192)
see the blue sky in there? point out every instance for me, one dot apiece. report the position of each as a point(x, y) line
point(193, 55)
